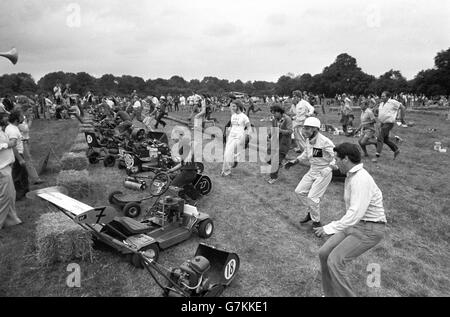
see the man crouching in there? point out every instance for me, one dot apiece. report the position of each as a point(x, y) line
point(362, 227)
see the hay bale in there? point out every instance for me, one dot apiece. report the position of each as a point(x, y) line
point(74, 161)
point(59, 239)
point(86, 129)
point(81, 138)
point(79, 147)
point(80, 184)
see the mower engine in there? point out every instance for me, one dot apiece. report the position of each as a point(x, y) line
point(168, 210)
point(190, 276)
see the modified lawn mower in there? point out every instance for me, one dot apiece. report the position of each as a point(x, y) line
point(207, 274)
point(107, 151)
point(150, 156)
point(159, 184)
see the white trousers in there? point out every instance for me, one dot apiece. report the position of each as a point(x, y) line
point(233, 150)
point(311, 189)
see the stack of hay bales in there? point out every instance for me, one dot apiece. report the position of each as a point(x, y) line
point(79, 147)
point(80, 144)
point(74, 161)
point(80, 184)
point(86, 127)
point(59, 239)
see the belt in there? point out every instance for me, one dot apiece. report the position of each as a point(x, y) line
point(378, 222)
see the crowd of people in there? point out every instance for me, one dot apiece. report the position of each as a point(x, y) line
point(361, 228)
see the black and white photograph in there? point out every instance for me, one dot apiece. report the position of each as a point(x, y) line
point(244, 150)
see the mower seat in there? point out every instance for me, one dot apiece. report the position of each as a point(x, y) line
point(130, 226)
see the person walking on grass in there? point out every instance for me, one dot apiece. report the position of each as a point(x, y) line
point(19, 170)
point(283, 123)
point(319, 156)
point(235, 141)
point(359, 230)
point(8, 215)
point(387, 115)
point(302, 111)
point(367, 128)
point(24, 128)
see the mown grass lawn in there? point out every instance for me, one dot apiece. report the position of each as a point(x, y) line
point(260, 222)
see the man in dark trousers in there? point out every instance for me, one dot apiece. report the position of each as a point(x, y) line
point(283, 123)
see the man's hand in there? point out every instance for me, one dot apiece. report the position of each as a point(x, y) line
point(319, 232)
point(22, 162)
point(289, 164)
point(326, 171)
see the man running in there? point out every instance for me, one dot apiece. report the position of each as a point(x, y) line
point(387, 115)
point(319, 155)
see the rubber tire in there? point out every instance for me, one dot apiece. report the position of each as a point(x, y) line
point(202, 228)
point(136, 260)
point(92, 156)
point(111, 197)
point(200, 167)
point(132, 210)
point(121, 165)
point(109, 161)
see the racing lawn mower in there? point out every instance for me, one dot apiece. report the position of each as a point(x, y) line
point(151, 155)
point(207, 274)
point(160, 184)
point(108, 151)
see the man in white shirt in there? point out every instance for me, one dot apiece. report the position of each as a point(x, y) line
point(319, 155)
point(8, 216)
point(387, 115)
point(360, 229)
point(303, 110)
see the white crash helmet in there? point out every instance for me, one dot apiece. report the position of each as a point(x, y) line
point(312, 122)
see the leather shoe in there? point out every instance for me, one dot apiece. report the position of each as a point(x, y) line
point(306, 219)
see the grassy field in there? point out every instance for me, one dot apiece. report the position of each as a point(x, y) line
point(259, 222)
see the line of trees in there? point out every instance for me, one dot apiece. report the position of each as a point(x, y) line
point(343, 75)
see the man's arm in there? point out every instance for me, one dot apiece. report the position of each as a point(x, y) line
point(288, 127)
point(359, 202)
point(402, 110)
point(8, 145)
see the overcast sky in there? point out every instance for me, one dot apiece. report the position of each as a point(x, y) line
point(229, 39)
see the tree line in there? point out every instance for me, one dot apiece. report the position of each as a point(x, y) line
point(342, 76)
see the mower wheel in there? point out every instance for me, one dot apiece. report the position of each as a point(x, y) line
point(121, 165)
point(200, 167)
point(206, 228)
point(151, 251)
point(112, 197)
point(132, 210)
point(92, 156)
point(109, 161)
